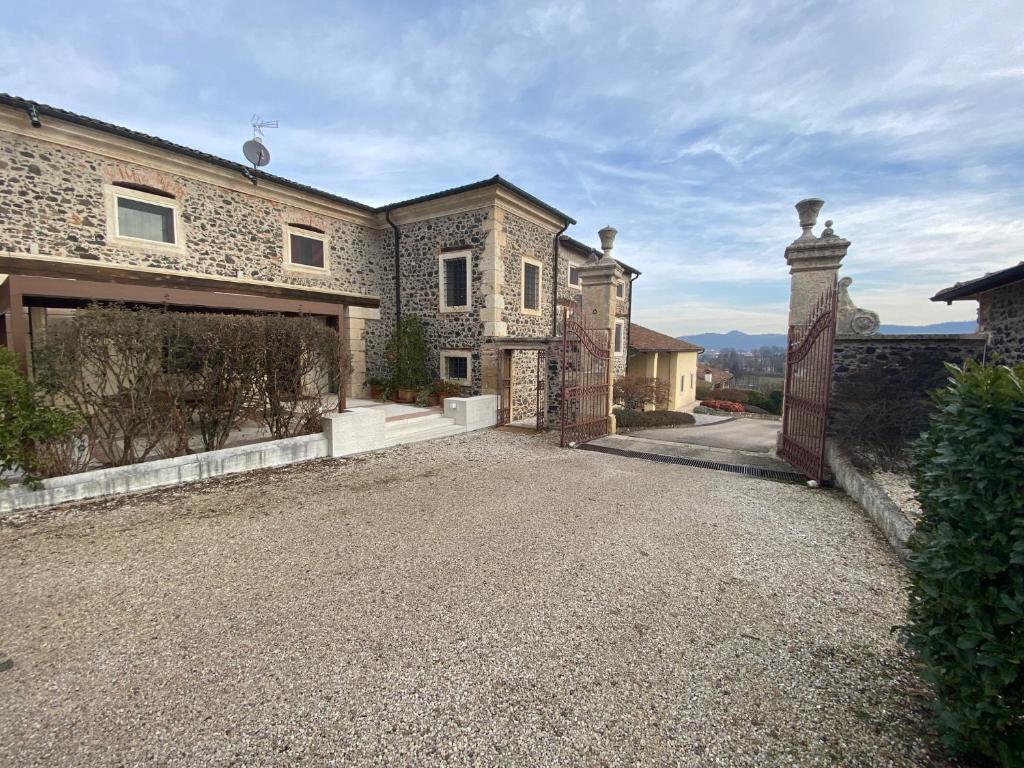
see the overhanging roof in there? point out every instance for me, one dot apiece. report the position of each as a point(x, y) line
point(586, 250)
point(495, 180)
point(98, 272)
point(645, 340)
point(971, 288)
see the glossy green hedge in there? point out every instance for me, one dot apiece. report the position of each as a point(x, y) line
point(966, 612)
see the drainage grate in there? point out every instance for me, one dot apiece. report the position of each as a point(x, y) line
point(740, 469)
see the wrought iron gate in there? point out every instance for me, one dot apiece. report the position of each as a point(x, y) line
point(586, 371)
point(808, 388)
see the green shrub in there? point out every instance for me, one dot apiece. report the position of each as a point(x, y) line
point(407, 353)
point(966, 613)
point(733, 395)
point(626, 420)
point(27, 423)
point(704, 391)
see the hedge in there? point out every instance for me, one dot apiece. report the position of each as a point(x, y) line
point(966, 613)
point(626, 420)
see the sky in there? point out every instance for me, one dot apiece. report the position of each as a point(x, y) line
point(691, 127)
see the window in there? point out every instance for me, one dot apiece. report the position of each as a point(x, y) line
point(306, 248)
point(682, 383)
point(574, 275)
point(453, 276)
point(691, 381)
point(620, 290)
point(456, 366)
point(618, 337)
point(143, 217)
point(531, 286)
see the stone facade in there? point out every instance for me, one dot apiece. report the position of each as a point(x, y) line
point(58, 184)
point(894, 372)
point(1001, 315)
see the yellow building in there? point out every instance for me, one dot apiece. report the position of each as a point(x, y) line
point(657, 356)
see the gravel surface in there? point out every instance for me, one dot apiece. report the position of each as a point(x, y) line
point(488, 599)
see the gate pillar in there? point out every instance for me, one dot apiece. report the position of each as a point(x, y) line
point(599, 304)
point(813, 262)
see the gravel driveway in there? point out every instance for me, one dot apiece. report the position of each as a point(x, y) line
point(487, 599)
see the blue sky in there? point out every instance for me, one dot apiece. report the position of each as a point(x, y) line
point(692, 127)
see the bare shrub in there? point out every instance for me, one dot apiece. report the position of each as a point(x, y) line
point(302, 358)
point(107, 366)
point(634, 392)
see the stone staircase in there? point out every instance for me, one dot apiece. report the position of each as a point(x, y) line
point(418, 428)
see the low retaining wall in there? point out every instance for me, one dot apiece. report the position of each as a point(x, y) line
point(882, 510)
point(163, 472)
point(344, 434)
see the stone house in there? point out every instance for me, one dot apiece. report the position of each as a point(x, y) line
point(1000, 297)
point(715, 378)
point(654, 355)
point(93, 211)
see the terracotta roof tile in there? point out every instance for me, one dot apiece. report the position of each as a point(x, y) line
point(645, 340)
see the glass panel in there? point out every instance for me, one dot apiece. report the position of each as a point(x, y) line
point(457, 368)
point(307, 251)
point(147, 221)
point(618, 337)
point(531, 287)
point(574, 275)
point(620, 290)
point(455, 283)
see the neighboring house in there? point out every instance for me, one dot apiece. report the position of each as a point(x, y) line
point(716, 378)
point(655, 355)
point(1000, 297)
point(92, 211)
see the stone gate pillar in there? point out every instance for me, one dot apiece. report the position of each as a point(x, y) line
point(599, 304)
point(813, 261)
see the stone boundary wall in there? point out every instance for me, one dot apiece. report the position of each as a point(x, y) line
point(876, 376)
point(1001, 313)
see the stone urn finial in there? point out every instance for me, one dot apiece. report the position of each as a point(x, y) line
point(808, 211)
point(607, 236)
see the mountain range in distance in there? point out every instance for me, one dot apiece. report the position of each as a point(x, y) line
point(747, 342)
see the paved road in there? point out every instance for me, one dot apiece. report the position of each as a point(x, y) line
point(751, 435)
point(488, 599)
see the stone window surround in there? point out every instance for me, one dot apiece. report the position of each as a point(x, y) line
point(524, 260)
point(111, 193)
point(570, 263)
point(443, 368)
point(619, 339)
point(311, 234)
point(466, 254)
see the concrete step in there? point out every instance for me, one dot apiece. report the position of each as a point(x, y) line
point(417, 424)
point(425, 434)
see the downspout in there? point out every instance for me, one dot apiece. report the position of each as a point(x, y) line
point(554, 285)
point(398, 272)
point(629, 317)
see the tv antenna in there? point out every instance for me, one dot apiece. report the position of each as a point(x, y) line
point(254, 150)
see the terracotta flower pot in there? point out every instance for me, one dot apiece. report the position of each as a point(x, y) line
point(406, 395)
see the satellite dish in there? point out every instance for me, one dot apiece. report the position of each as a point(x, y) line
point(256, 153)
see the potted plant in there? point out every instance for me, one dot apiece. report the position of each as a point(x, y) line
point(376, 385)
point(442, 390)
point(407, 351)
point(423, 398)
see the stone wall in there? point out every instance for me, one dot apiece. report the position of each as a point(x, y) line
point(524, 384)
point(1001, 314)
point(53, 202)
point(525, 238)
point(880, 384)
point(421, 244)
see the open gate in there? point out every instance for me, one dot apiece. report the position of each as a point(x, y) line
point(808, 388)
point(506, 387)
point(586, 371)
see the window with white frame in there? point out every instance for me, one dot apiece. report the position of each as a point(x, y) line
point(574, 275)
point(144, 215)
point(619, 329)
point(682, 383)
point(453, 277)
point(456, 366)
point(531, 286)
point(620, 290)
point(305, 247)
